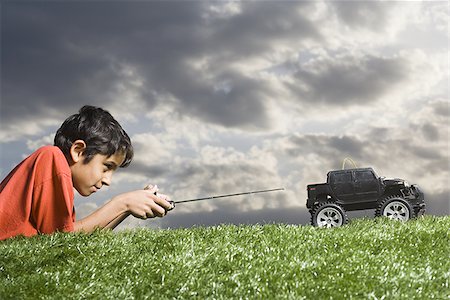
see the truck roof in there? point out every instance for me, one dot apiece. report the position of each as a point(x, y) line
point(352, 169)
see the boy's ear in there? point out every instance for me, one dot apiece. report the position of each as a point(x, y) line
point(76, 150)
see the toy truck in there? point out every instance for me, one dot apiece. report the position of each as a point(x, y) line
point(359, 189)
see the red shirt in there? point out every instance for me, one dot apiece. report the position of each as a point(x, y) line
point(37, 196)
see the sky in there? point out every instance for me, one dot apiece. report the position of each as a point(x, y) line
point(223, 97)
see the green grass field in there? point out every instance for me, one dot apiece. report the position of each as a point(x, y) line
point(367, 259)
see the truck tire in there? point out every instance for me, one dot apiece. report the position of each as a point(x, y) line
point(328, 215)
point(395, 208)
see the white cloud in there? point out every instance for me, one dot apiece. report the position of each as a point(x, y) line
point(33, 145)
point(221, 10)
point(27, 127)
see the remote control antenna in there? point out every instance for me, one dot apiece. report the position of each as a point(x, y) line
point(228, 195)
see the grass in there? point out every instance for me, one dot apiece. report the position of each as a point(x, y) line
point(367, 259)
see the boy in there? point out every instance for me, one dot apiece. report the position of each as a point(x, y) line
point(37, 196)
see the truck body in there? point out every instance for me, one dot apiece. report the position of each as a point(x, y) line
point(362, 188)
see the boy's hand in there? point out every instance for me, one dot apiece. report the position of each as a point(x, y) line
point(147, 203)
point(165, 197)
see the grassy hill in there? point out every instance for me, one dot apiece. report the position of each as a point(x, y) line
point(368, 259)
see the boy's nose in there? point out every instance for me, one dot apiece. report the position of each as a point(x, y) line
point(106, 180)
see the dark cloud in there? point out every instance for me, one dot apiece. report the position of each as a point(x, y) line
point(430, 132)
point(438, 204)
point(441, 108)
point(424, 152)
point(230, 100)
point(364, 14)
point(62, 55)
point(348, 80)
point(325, 146)
point(261, 26)
point(223, 177)
point(373, 148)
point(65, 54)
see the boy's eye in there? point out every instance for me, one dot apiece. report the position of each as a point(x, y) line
point(110, 166)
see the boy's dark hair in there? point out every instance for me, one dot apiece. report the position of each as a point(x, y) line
point(99, 130)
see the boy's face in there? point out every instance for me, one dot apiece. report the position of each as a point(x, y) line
point(90, 177)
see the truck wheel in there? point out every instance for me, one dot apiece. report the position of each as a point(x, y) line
point(328, 215)
point(395, 208)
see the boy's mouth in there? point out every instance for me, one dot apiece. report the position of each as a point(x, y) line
point(97, 187)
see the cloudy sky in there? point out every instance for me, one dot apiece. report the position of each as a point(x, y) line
point(232, 96)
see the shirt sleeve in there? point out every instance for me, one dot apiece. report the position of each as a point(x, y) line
point(52, 209)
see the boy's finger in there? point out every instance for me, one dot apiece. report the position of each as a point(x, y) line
point(158, 210)
point(167, 204)
point(172, 205)
point(163, 196)
point(152, 188)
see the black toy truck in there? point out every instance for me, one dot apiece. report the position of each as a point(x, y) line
point(358, 189)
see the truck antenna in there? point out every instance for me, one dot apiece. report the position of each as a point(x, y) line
point(346, 160)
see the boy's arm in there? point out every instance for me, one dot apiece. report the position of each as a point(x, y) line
point(114, 223)
point(141, 204)
point(106, 216)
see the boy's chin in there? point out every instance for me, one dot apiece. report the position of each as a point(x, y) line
point(84, 193)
